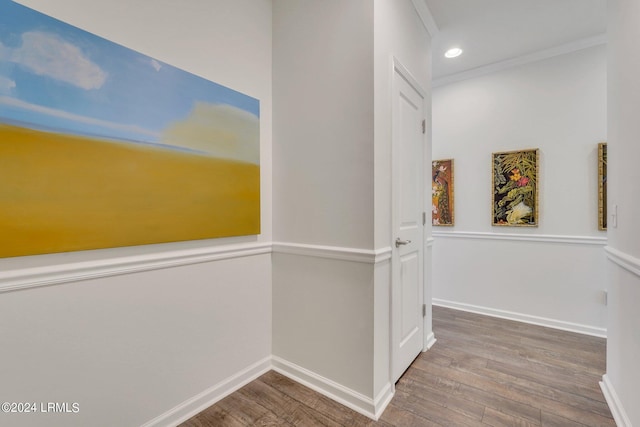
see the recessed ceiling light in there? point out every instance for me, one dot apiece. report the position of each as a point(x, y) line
point(453, 52)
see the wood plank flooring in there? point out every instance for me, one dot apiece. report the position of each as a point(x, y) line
point(482, 371)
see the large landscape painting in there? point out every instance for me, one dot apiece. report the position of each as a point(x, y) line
point(101, 146)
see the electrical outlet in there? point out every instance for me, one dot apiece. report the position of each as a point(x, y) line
point(605, 297)
point(614, 216)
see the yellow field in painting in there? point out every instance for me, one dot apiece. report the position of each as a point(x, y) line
point(62, 193)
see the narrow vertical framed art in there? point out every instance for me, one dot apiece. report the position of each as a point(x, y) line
point(602, 186)
point(442, 194)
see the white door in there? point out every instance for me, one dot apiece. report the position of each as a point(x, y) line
point(408, 141)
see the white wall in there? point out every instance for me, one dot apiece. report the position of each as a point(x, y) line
point(132, 333)
point(148, 335)
point(552, 274)
point(331, 277)
point(399, 35)
point(322, 318)
point(323, 194)
point(323, 124)
point(622, 382)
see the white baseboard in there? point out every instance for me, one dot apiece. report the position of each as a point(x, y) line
point(360, 403)
point(382, 400)
point(371, 408)
point(200, 402)
point(431, 340)
point(526, 318)
point(619, 415)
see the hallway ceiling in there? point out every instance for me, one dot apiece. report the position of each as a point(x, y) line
point(492, 31)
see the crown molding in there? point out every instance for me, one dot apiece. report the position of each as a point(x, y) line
point(522, 60)
point(426, 17)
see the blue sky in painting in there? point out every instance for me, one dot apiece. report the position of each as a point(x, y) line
point(56, 76)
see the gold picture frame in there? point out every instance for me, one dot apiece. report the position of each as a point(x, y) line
point(515, 188)
point(442, 187)
point(602, 186)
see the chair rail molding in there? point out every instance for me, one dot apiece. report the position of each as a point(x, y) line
point(25, 278)
point(544, 238)
point(626, 261)
point(34, 277)
point(334, 252)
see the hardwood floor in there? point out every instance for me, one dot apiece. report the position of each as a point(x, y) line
point(482, 371)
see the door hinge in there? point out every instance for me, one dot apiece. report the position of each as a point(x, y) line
point(424, 310)
point(424, 126)
point(424, 218)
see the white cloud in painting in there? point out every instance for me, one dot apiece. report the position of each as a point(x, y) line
point(4, 52)
point(156, 65)
point(16, 103)
point(219, 130)
point(6, 84)
point(48, 55)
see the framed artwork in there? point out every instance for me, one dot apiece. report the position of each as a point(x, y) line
point(102, 146)
point(442, 211)
point(602, 186)
point(515, 188)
